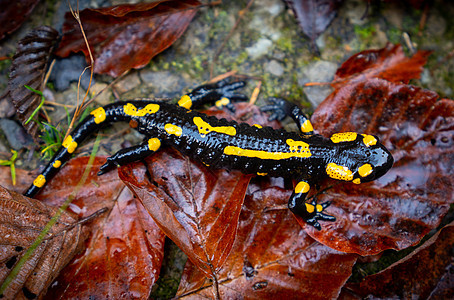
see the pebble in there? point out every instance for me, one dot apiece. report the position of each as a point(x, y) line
point(274, 67)
point(15, 134)
point(260, 48)
point(320, 71)
point(127, 83)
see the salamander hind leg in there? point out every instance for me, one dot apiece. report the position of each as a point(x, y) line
point(127, 155)
point(311, 212)
point(281, 108)
point(221, 93)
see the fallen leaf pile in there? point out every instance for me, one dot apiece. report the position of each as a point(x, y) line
point(239, 239)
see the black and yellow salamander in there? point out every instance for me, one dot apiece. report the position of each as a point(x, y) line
point(218, 143)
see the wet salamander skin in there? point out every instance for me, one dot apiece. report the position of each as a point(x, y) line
point(219, 143)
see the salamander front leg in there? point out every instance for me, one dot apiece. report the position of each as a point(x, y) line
point(311, 212)
point(221, 93)
point(131, 154)
point(281, 108)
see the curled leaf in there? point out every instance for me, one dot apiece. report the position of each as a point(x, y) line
point(388, 63)
point(28, 68)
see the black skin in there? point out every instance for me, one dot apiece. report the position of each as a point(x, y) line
point(219, 143)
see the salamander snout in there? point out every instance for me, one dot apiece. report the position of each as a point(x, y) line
point(379, 161)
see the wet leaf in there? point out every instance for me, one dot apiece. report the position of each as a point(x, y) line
point(124, 252)
point(388, 63)
point(125, 247)
point(398, 209)
point(21, 221)
point(127, 36)
point(273, 257)
point(415, 276)
point(314, 16)
point(13, 14)
point(28, 68)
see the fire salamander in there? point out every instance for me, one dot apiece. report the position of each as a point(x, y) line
point(218, 143)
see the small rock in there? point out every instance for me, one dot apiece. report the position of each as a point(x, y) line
point(129, 82)
point(355, 11)
point(15, 134)
point(321, 71)
point(105, 94)
point(274, 67)
point(260, 48)
point(165, 83)
point(68, 70)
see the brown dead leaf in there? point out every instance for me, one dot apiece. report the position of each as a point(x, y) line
point(21, 221)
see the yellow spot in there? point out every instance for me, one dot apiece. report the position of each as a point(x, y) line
point(39, 181)
point(310, 208)
point(154, 144)
point(205, 128)
point(307, 126)
point(302, 187)
point(185, 101)
point(131, 110)
point(365, 170)
point(99, 114)
point(262, 174)
point(339, 172)
point(319, 208)
point(258, 126)
point(173, 129)
point(56, 164)
point(69, 144)
point(369, 140)
point(344, 137)
point(222, 102)
point(357, 181)
point(298, 148)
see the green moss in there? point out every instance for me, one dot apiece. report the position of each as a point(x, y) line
point(394, 35)
point(285, 43)
point(365, 32)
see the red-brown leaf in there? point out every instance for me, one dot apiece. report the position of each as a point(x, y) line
point(415, 276)
point(388, 63)
point(273, 257)
point(127, 36)
point(13, 14)
point(397, 210)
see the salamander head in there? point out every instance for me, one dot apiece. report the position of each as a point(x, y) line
point(360, 158)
